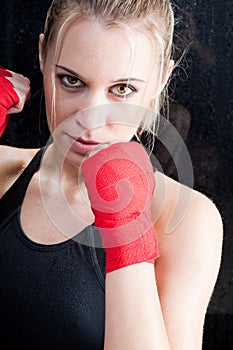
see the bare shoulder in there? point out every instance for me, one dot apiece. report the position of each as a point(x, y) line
point(13, 161)
point(179, 210)
point(190, 233)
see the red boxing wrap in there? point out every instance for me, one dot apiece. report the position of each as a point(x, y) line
point(120, 184)
point(8, 97)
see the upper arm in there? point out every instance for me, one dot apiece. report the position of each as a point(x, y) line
point(187, 270)
point(12, 162)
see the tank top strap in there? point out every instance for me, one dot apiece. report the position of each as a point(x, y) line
point(13, 198)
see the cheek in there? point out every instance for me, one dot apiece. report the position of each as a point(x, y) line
point(58, 107)
point(123, 132)
point(125, 124)
point(151, 91)
point(125, 115)
point(48, 101)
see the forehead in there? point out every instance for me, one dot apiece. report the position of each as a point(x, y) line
point(111, 53)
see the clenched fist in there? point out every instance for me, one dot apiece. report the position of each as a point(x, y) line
point(14, 91)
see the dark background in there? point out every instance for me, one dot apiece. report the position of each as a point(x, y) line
point(201, 109)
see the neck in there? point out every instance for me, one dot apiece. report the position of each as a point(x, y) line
point(61, 181)
point(62, 167)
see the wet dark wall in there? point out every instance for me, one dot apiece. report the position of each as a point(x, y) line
point(200, 108)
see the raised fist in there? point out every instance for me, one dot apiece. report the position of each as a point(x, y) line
point(14, 91)
point(120, 184)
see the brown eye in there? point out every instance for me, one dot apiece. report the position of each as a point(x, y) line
point(123, 90)
point(70, 81)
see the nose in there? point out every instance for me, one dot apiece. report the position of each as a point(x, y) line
point(94, 110)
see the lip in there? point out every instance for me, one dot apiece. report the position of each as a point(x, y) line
point(82, 146)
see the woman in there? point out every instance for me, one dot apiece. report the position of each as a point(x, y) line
point(124, 282)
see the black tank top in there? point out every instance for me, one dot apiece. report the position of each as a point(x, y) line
point(51, 296)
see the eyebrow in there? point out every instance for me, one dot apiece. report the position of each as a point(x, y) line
point(125, 80)
point(70, 71)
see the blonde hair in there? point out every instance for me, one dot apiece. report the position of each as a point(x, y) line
point(154, 15)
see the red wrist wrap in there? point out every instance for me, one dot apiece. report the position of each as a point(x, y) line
point(120, 184)
point(8, 97)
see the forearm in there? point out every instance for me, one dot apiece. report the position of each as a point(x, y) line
point(133, 314)
point(121, 202)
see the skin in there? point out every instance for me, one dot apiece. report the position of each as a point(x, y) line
point(169, 313)
point(99, 82)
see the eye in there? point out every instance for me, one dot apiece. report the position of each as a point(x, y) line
point(123, 90)
point(70, 81)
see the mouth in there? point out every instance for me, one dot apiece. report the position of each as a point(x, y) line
point(87, 142)
point(81, 145)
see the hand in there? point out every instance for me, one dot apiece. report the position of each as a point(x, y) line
point(14, 91)
point(120, 184)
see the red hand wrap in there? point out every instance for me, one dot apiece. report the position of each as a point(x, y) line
point(120, 184)
point(8, 97)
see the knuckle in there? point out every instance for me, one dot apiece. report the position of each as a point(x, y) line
point(26, 81)
point(20, 106)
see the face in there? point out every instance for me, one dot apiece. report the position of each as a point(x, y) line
point(104, 81)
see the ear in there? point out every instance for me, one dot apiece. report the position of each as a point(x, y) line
point(41, 60)
point(167, 74)
point(170, 69)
